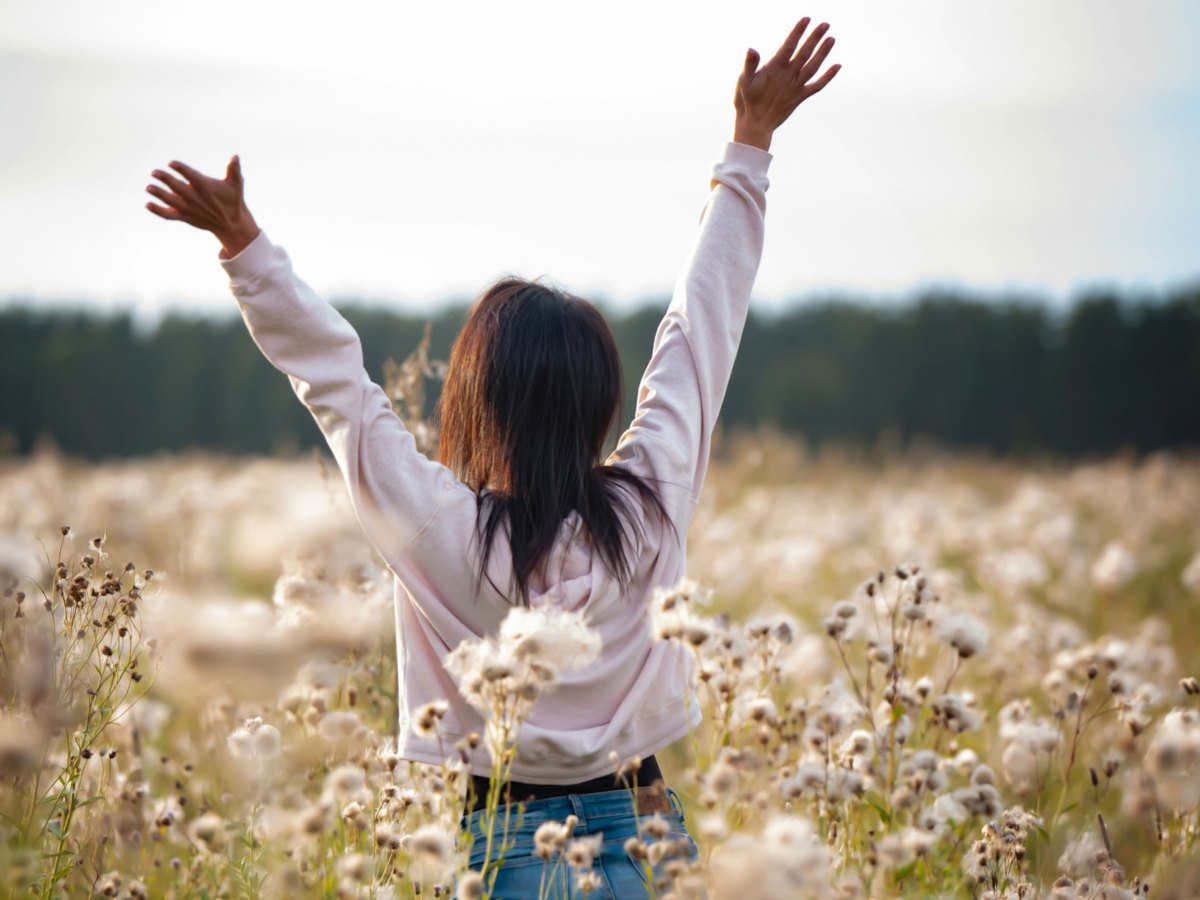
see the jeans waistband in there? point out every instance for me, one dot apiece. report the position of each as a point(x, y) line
point(594, 807)
point(648, 773)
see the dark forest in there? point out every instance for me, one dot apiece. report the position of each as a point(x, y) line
point(1106, 374)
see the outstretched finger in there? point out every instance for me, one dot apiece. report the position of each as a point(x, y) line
point(170, 181)
point(750, 67)
point(806, 51)
point(233, 171)
point(172, 200)
point(785, 51)
point(813, 65)
point(824, 79)
point(193, 176)
point(165, 212)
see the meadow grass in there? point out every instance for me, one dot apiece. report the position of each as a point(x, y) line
point(923, 676)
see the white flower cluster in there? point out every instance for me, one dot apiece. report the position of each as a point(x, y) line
point(255, 740)
point(964, 633)
point(1114, 568)
point(1190, 577)
point(1173, 760)
point(503, 676)
point(787, 859)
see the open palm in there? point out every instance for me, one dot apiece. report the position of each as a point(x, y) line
point(766, 97)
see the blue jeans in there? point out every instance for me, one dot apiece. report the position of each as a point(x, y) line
point(523, 875)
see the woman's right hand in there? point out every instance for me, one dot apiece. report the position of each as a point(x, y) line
point(210, 204)
point(766, 97)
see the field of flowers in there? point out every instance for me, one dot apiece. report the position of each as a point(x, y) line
point(935, 676)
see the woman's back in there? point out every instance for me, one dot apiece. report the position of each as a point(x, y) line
point(634, 694)
point(424, 521)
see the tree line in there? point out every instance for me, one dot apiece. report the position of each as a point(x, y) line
point(1105, 374)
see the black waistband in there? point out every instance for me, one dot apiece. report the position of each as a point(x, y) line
point(519, 791)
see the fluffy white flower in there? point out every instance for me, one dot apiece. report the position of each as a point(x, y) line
point(1114, 569)
point(1036, 735)
point(431, 850)
point(207, 831)
point(582, 850)
point(425, 720)
point(949, 809)
point(964, 633)
point(786, 860)
point(340, 724)
point(1173, 759)
point(525, 658)
point(1015, 569)
point(296, 590)
point(344, 781)
point(254, 740)
point(558, 638)
point(1081, 855)
point(1191, 575)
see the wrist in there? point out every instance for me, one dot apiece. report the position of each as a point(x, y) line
point(238, 235)
point(752, 133)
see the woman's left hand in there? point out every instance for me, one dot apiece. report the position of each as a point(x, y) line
point(210, 204)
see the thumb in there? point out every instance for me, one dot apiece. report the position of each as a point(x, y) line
point(233, 171)
point(751, 65)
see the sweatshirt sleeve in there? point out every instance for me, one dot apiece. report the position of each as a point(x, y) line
point(681, 392)
point(395, 490)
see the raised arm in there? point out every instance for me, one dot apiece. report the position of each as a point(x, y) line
point(395, 490)
point(684, 384)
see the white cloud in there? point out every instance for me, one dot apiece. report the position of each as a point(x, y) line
point(418, 151)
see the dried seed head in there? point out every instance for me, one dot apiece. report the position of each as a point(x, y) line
point(430, 841)
point(551, 836)
point(427, 717)
point(582, 850)
point(470, 886)
point(834, 626)
point(656, 826)
point(587, 882)
point(721, 778)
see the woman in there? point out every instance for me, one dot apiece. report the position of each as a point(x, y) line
point(520, 509)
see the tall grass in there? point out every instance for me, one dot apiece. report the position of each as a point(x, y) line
point(922, 678)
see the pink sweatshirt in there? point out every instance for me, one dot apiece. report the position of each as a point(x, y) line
point(421, 519)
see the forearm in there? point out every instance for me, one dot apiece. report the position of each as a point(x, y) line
point(684, 384)
point(712, 296)
point(394, 489)
point(298, 332)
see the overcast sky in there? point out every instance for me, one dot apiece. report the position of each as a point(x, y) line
point(413, 152)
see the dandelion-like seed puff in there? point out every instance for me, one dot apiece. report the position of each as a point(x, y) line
point(503, 676)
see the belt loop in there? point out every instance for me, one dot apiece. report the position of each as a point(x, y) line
point(675, 802)
point(577, 808)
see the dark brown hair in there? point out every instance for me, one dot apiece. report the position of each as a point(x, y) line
point(533, 388)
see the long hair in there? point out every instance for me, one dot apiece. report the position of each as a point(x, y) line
point(533, 387)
